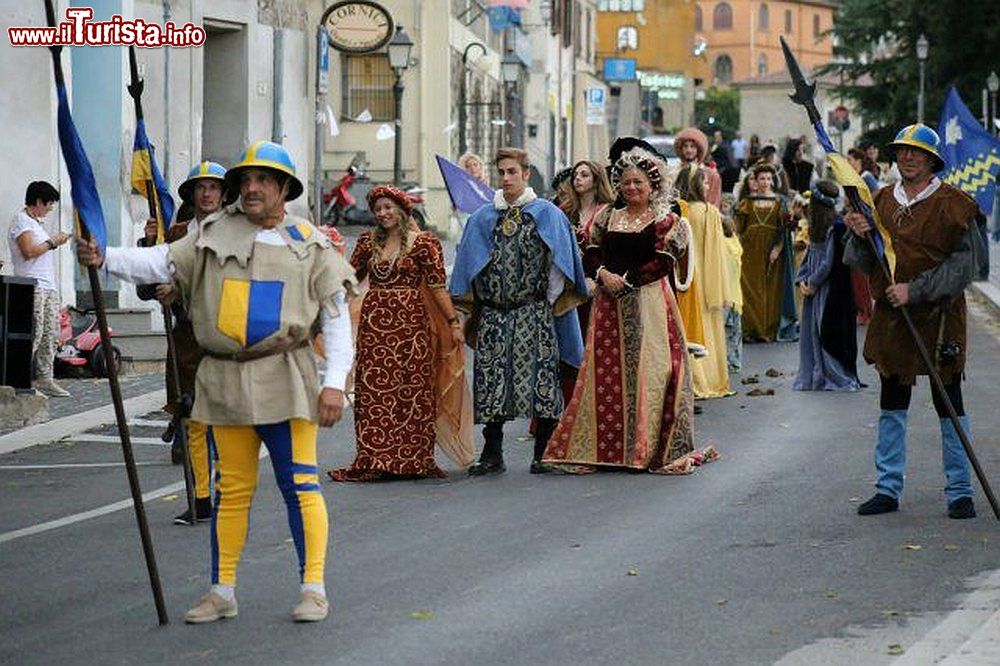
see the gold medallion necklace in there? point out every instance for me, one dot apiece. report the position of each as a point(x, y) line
point(511, 221)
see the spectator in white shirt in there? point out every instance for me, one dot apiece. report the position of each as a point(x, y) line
point(739, 146)
point(31, 251)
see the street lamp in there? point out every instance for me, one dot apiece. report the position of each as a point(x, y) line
point(922, 47)
point(463, 111)
point(399, 59)
point(510, 73)
point(993, 83)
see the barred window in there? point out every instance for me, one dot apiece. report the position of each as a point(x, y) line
point(367, 84)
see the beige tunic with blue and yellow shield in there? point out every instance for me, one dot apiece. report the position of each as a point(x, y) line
point(246, 295)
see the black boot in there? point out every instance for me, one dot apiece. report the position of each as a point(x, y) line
point(962, 508)
point(878, 504)
point(543, 432)
point(202, 511)
point(491, 459)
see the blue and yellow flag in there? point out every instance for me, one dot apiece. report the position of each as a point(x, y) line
point(848, 178)
point(83, 187)
point(970, 154)
point(144, 169)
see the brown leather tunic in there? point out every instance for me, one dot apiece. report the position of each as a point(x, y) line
point(923, 236)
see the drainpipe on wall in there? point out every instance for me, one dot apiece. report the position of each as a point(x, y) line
point(277, 131)
point(165, 157)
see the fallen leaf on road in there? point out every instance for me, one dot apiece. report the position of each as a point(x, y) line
point(170, 498)
point(421, 615)
point(951, 548)
point(895, 649)
point(759, 392)
point(204, 654)
point(632, 572)
point(830, 594)
point(771, 372)
point(752, 379)
point(913, 546)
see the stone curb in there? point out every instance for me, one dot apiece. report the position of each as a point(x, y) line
point(989, 293)
point(55, 429)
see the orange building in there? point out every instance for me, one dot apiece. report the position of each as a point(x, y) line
point(742, 35)
point(660, 36)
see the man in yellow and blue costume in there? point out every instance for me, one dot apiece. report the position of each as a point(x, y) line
point(254, 280)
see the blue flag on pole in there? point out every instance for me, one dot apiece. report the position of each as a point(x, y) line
point(467, 192)
point(970, 153)
point(847, 177)
point(144, 169)
point(83, 187)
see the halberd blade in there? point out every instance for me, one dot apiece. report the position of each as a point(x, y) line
point(805, 92)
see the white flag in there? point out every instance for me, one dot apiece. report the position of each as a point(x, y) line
point(332, 121)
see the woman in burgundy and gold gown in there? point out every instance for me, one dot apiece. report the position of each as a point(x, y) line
point(410, 388)
point(632, 405)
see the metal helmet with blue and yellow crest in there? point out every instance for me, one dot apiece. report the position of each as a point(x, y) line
point(204, 171)
point(266, 155)
point(923, 138)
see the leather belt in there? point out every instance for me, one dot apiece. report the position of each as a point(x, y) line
point(280, 346)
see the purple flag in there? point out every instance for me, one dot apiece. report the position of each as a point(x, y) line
point(467, 193)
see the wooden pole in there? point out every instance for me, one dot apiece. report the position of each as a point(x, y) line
point(116, 393)
point(180, 433)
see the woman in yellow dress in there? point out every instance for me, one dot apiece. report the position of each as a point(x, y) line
point(707, 253)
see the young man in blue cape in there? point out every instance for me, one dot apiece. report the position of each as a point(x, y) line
point(518, 271)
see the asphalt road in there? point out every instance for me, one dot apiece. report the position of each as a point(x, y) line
point(751, 558)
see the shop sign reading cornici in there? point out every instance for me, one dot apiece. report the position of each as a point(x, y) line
point(358, 26)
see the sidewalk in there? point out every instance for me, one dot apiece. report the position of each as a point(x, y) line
point(989, 290)
point(89, 405)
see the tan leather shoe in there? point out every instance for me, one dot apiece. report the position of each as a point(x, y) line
point(210, 608)
point(312, 608)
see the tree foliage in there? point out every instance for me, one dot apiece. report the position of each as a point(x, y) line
point(878, 38)
point(719, 110)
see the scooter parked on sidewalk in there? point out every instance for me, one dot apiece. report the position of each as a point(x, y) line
point(345, 203)
point(80, 353)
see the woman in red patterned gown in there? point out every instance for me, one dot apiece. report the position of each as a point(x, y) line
point(410, 386)
point(633, 404)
